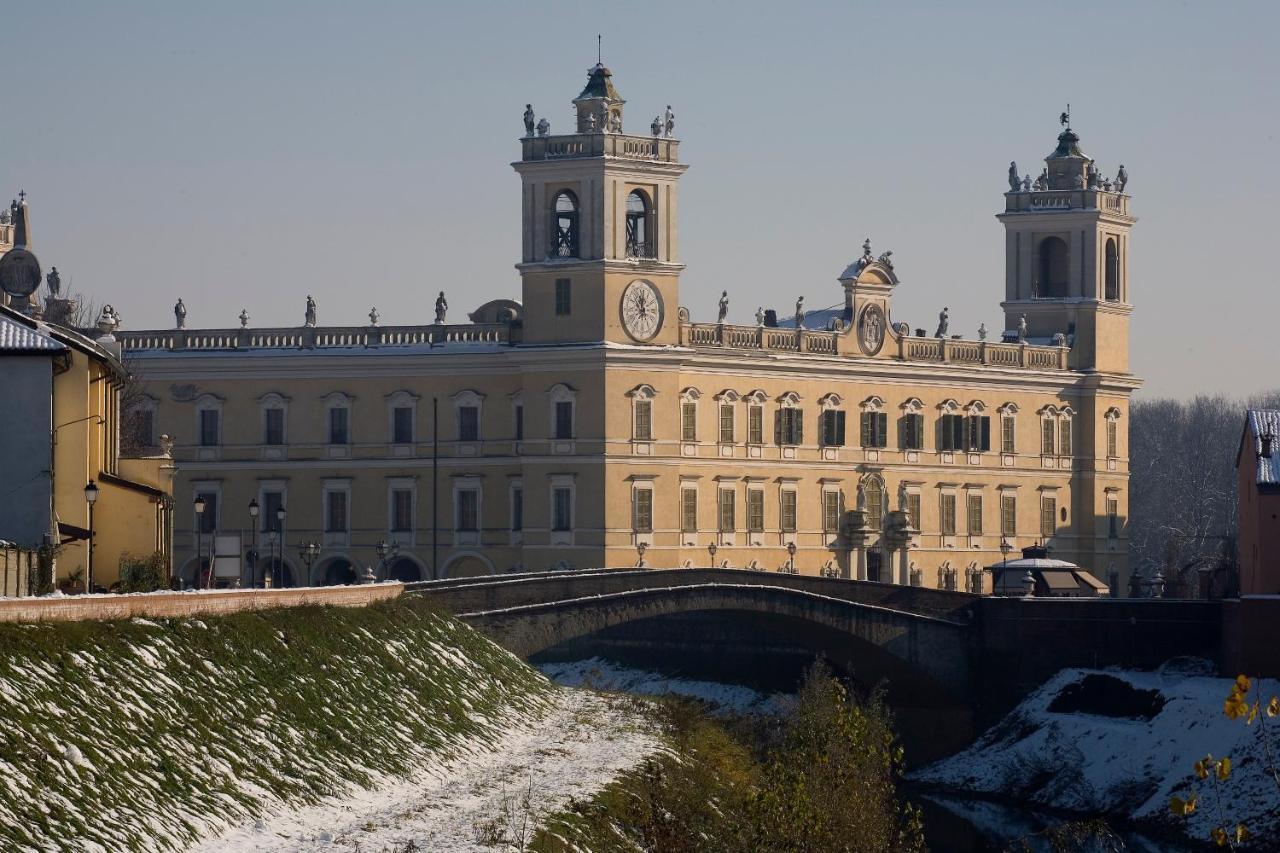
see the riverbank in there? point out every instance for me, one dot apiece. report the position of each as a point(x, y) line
point(1122, 744)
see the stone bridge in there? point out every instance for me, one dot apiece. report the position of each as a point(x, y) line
point(980, 652)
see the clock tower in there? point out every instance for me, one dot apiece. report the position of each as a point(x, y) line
point(599, 255)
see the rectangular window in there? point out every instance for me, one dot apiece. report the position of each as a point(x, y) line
point(787, 510)
point(727, 506)
point(564, 419)
point(975, 515)
point(339, 425)
point(977, 433)
point(1113, 517)
point(517, 509)
point(875, 506)
point(875, 429)
point(951, 432)
point(468, 510)
point(948, 515)
point(1064, 439)
point(209, 427)
point(789, 427)
point(1008, 515)
point(561, 508)
point(273, 426)
point(1006, 435)
point(1047, 437)
point(402, 425)
point(142, 427)
point(208, 519)
point(755, 510)
point(913, 510)
point(755, 424)
point(831, 512)
point(832, 432)
point(335, 512)
point(518, 415)
point(468, 423)
point(688, 421)
point(1112, 442)
point(726, 423)
point(911, 432)
point(642, 510)
point(644, 420)
point(1048, 516)
point(269, 512)
point(401, 510)
point(563, 294)
point(689, 510)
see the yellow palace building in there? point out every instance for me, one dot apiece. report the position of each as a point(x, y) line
point(594, 423)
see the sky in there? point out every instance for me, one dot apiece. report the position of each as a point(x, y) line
point(245, 155)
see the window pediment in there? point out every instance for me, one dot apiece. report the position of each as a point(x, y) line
point(642, 392)
point(872, 404)
point(912, 405)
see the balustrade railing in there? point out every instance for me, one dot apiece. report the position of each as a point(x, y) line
point(663, 149)
point(309, 337)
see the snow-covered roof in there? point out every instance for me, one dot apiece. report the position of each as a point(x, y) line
point(1041, 563)
point(1260, 422)
point(819, 320)
point(17, 336)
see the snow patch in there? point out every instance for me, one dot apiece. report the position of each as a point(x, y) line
point(601, 674)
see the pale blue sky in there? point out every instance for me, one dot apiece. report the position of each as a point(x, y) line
point(247, 154)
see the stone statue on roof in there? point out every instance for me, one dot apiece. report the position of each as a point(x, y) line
point(1122, 178)
point(1014, 182)
point(656, 126)
point(944, 320)
point(310, 317)
point(760, 316)
point(529, 120)
point(982, 331)
point(1026, 183)
point(724, 306)
point(544, 127)
point(180, 314)
point(866, 249)
point(54, 282)
point(615, 121)
point(442, 307)
point(373, 316)
point(800, 313)
point(244, 318)
point(669, 122)
point(1022, 329)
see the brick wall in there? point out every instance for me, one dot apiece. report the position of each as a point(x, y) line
point(169, 605)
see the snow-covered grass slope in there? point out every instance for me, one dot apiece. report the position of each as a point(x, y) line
point(1121, 743)
point(145, 735)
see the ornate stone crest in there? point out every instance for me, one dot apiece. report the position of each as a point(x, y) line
point(871, 329)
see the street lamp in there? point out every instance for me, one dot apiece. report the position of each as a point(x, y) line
point(253, 527)
point(269, 569)
point(711, 549)
point(385, 552)
point(91, 498)
point(791, 558)
point(198, 506)
point(641, 547)
point(308, 551)
point(1005, 548)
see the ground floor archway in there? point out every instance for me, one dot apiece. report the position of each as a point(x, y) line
point(405, 570)
point(468, 566)
point(337, 572)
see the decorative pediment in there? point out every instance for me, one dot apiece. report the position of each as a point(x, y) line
point(643, 391)
point(912, 405)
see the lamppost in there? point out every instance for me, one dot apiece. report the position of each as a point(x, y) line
point(711, 549)
point(1005, 548)
point(198, 506)
point(385, 552)
point(91, 498)
point(272, 536)
point(253, 527)
point(308, 551)
point(791, 558)
point(641, 547)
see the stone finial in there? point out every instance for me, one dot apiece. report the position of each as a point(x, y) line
point(108, 320)
point(166, 445)
point(544, 127)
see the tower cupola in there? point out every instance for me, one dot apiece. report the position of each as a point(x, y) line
point(599, 105)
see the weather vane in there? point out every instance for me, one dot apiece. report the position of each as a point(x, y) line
point(1065, 118)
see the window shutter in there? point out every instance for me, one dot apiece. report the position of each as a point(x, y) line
point(777, 426)
point(840, 428)
point(957, 432)
point(865, 429)
point(882, 429)
point(799, 421)
point(986, 433)
point(944, 433)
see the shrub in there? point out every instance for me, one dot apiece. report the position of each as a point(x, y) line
point(142, 574)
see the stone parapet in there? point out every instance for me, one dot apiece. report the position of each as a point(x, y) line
point(180, 605)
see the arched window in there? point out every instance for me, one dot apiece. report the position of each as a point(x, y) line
point(1054, 269)
point(564, 236)
point(639, 240)
point(1112, 271)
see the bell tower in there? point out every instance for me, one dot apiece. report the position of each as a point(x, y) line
point(599, 257)
point(1066, 257)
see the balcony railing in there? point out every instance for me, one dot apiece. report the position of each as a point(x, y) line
point(660, 149)
point(641, 249)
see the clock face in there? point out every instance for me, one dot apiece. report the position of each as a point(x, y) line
point(641, 310)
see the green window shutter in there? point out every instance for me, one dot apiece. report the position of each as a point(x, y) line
point(944, 433)
point(882, 429)
point(799, 420)
point(864, 434)
point(957, 432)
point(985, 434)
point(840, 428)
